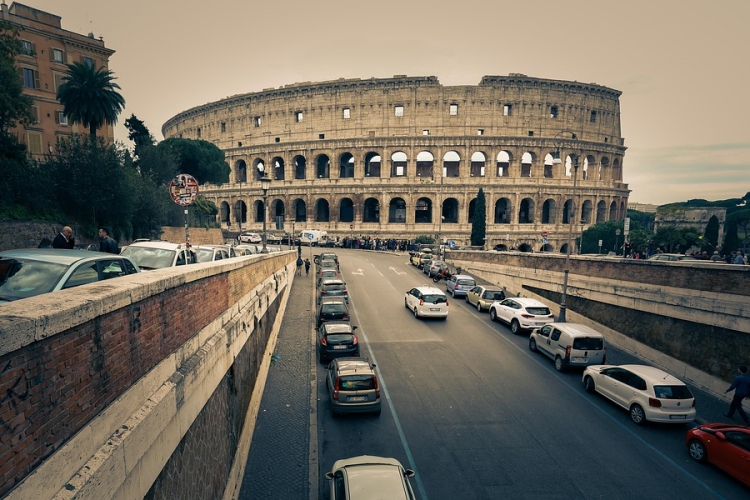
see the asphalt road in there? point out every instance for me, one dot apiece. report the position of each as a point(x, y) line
point(479, 416)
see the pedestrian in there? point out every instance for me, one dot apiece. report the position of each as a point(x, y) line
point(299, 266)
point(741, 387)
point(107, 244)
point(64, 239)
point(307, 267)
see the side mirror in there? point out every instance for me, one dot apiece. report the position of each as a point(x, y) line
point(720, 436)
point(408, 473)
point(354, 327)
point(329, 475)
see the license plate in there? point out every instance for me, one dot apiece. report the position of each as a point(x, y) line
point(579, 360)
point(434, 308)
point(540, 323)
point(357, 398)
point(339, 347)
point(677, 417)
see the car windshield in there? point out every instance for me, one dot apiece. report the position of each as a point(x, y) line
point(494, 295)
point(588, 344)
point(333, 307)
point(357, 382)
point(672, 392)
point(23, 278)
point(538, 311)
point(204, 254)
point(466, 282)
point(434, 299)
point(150, 258)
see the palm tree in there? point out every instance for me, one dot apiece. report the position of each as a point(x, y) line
point(89, 96)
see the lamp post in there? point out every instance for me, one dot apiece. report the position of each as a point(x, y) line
point(265, 185)
point(571, 216)
point(239, 205)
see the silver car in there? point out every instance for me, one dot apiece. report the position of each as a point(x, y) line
point(353, 386)
point(369, 478)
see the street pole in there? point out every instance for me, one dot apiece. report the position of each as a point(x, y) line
point(563, 303)
point(265, 185)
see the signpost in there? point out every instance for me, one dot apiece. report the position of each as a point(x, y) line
point(310, 237)
point(617, 240)
point(184, 190)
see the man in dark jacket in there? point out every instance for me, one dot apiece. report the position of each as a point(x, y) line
point(107, 244)
point(64, 239)
point(741, 387)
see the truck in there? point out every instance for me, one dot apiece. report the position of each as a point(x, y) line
point(313, 237)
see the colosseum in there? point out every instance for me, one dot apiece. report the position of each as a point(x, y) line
point(377, 157)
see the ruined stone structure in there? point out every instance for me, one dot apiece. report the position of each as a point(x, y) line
point(405, 156)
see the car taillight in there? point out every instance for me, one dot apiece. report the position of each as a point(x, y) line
point(323, 341)
point(336, 389)
point(567, 351)
point(356, 340)
point(323, 292)
point(346, 315)
point(527, 315)
point(421, 302)
point(654, 403)
point(693, 405)
point(377, 387)
point(446, 303)
point(345, 292)
point(551, 316)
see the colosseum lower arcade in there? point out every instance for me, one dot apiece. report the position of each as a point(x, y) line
point(405, 156)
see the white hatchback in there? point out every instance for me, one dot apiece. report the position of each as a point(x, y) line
point(648, 393)
point(427, 302)
point(521, 313)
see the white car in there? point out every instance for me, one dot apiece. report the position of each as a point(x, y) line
point(158, 254)
point(248, 237)
point(521, 313)
point(369, 478)
point(648, 393)
point(426, 302)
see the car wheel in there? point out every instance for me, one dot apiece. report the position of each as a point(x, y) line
point(416, 312)
point(493, 315)
point(697, 451)
point(466, 298)
point(637, 415)
point(405, 304)
point(532, 345)
point(559, 366)
point(589, 385)
point(479, 306)
point(515, 327)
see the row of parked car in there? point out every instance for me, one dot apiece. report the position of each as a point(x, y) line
point(647, 393)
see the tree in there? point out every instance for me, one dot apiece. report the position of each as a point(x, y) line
point(201, 159)
point(479, 222)
point(15, 107)
point(89, 96)
point(711, 233)
point(139, 134)
point(731, 240)
point(742, 220)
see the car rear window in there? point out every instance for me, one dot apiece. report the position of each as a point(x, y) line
point(357, 382)
point(340, 337)
point(538, 311)
point(588, 344)
point(672, 392)
point(334, 287)
point(334, 307)
point(434, 299)
point(467, 282)
point(495, 296)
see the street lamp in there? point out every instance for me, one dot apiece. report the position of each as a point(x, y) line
point(265, 185)
point(240, 207)
point(571, 217)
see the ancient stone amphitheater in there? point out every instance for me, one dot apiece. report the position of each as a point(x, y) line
point(406, 156)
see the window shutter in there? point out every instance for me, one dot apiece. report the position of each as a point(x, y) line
point(35, 112)
point(36, 80)
point(33, 49)
point(51, 53)
point(57, 117)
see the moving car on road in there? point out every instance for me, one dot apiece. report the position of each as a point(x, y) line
point(459, 284)
point(370, 478)
point(727, 446)
point(482, 297)
point(569, 344)
point(427, 302)
point(521, 313)
point(353, 386)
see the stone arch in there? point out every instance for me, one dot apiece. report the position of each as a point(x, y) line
point(425, 162)
point(423, 211)
point(277, 163)
point(259, 210)
point(224, 213)
point(502, 211)
point(549, 211)
point(587, 210)
point(588, 162)
point(478, 164)
point(278, 209)
point(346, 166)
point(501, 247)
point(564, 248)
point(372, 164)
point(259, 166)
point(300, 166)
point(616, 170)
point(601, 211)
point(605, 172)
point(525, 247)
point(397, 211)
point(623, 211)
point(526, 211)
point(399, 162)
point(299, 208)
point(546, 248)
point(240, 212)
point(613, 211)
point(322, 167)
point(371, 210)
point(472, 208)
point(346, 210)
point(451, 164)
point(549, 164)
point(322, 210)
point(527, 161)
point(450, 211)
point(240, 171)
point(567, 211)
point(503, 163)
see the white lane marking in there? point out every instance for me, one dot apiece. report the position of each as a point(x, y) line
point(359, 272)
point(396, 271)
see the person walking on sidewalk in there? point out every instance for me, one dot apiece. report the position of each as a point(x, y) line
point(741, 387)
point(307, 267)
point(299, 266)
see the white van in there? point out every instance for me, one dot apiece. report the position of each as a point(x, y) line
point(313, 237)
point(569, 344)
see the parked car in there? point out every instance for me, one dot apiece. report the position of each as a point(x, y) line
point(670, 257)
point(369, 478)
point(34, 271)
point(333, 288)
point(521, 313)
point(248, 237)
point(246, 249)
point(418, 258)
point(648, 393)
point(336, 340)
point(273, 239)
point(332, 309)
point(328, 264)
point(459, 284)
point(434, 267)
point(150, 255)
point(326, 274)
point(353, 386)
point(482, 297)
point(205, 253)
point(426, 302)
point(569, 344)
point(326, 256)
point(727, 446)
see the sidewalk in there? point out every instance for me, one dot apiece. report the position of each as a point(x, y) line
point(278, 464)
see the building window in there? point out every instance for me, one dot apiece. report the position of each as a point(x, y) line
point(35, 112)
point(454, 110)
point(399, 110)
point(60, 118)
point(593, 117)
point(531, 133)
point(298, 116)
point(508, 110)
point(27, 48)
point(198, 132)
point(256, 121)
point(57, 55)
point(425, 132)
point(35, 143)
point(553, 112)
point(58, 80)
point(321, 136)
point(347, 114)
point(223, 127)
point(30, 78)
point(480, 131)
point(87, 61)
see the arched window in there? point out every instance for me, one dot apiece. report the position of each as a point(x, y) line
point(300, 210)
point(450, 211)
point(398, 164)
point(423, 211)
point(526, 211)
point(601, 211)
point(322, 211)
point(323, 167)
point(371, 210)
point(425, 161)
point(502, 211)
point(526, 160)
point(300, 165)
point(503, 164)
point(240, 171)
point(346, 210)
point(372, 165)
point(397, 211)
point(346, 166)
point(548, 211)
point(549, 166)
point(451, 162)
point(260, 167)
point(278, 168)
point(478, 162)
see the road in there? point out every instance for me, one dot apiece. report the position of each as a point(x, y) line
point(479, 416)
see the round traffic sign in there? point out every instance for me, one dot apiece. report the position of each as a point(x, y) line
point(183, 189)
point(309, 236)
point(545, 234)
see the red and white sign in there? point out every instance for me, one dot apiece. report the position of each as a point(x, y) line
point(544, 234)
point(183, 189)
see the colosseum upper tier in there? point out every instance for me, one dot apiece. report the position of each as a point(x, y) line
point(376, 156)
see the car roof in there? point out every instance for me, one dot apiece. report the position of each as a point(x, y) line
point(653, 374)
point(528, 301)
point(157, 244)
point(333, 281)
point(364, 460)
point(337, 327)
point(354, 365)
point(575, 328)
point(56, 255)
point(328, 300)
point(431, 290)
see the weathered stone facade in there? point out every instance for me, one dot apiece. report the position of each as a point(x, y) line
point(375, 156)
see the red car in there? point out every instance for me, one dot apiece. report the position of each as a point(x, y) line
point(727, 446)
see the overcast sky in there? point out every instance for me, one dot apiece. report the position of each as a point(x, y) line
point(683, 66)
